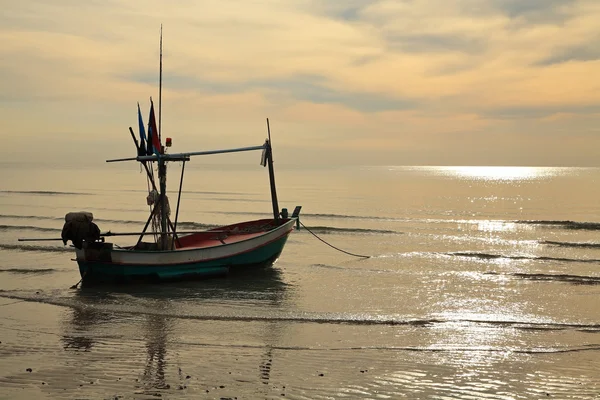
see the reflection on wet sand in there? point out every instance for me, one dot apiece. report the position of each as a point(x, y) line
point(82, 319)
point(157, 327)
point(149, 312)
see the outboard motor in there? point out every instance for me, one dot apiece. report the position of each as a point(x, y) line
point(79, 228)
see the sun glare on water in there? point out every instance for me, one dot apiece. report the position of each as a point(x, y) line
point(496, 173)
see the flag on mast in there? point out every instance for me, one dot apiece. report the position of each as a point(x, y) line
point(149, 141)
point(153, 139)
point(142, 148)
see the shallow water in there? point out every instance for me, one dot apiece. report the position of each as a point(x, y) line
point(482, 283)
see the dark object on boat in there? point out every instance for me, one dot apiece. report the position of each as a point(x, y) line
point(97, 251)
point(79, 227)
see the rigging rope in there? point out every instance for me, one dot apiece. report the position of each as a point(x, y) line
point(150, 179)
point(332, 246)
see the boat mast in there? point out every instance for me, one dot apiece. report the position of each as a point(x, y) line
point(272, 175)
point(162, 164)
point(160, 89)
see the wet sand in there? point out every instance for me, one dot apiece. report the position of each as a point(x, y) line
point(52, 352)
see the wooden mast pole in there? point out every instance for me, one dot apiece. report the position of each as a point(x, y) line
point(162, 164)
point(272, 175)
point(160, 90)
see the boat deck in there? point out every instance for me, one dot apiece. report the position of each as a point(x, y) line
point(202, 240)
point(226, 235)
point(219, 236)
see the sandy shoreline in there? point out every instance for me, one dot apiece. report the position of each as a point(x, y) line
point(89, 354)
point(45, 355)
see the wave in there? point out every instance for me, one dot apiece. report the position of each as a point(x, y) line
point(195, 226)
point(425, 349)
point(29, 217)
point(316, 215)
point(356, 270)
point(45, 192)
point(300, 317)
point(181, 225)
point(487, 256)
point(47, 218)
point(344, 216)
point(482, 349)
point(332, 230)
point(564, 224)
point(571, 244)
point(29, 271)
point(4, 228)
point(20, 247)
point(119, 221)
point(183, 192)
point(592, 226)
point(233, 199)
point(574, 279)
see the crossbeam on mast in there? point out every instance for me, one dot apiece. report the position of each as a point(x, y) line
point(186, 156)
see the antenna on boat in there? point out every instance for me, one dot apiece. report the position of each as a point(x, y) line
point(160, 89)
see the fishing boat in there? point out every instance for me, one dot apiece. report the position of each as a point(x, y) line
point(171, 254)
point(174, 255)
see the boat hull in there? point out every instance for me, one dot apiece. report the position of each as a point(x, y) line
point(183, 264)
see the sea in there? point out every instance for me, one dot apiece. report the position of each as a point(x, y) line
point(417, 282)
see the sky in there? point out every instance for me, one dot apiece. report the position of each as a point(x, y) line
point(404, 82)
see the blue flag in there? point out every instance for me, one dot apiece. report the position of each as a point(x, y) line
point(142, 132)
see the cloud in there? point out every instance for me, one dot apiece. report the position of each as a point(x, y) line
point(536, 11)
point(422, 78)
point(300, 88)
point(586, 52)
point(540, 112)
point(435, 43)
point(349, 10)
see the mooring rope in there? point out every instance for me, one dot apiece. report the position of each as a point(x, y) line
point(332, 246)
